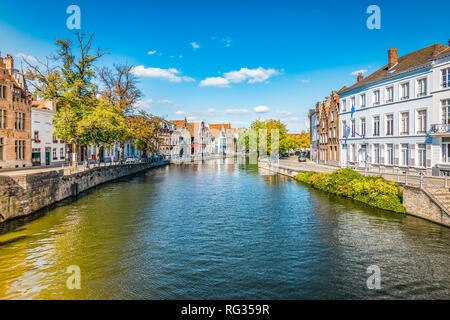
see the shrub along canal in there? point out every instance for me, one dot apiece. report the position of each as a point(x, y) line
point(221, 230)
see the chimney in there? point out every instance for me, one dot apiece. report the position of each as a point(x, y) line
point(392, 57)
point(360, 76)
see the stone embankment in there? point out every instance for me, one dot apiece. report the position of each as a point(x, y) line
point(197, 159)
point(25, 194)
point(418, 202)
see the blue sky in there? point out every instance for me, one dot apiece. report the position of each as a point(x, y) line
point(232, 61)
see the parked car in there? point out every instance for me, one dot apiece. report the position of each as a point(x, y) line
point(297, 153)
point(284, 155)
point(302, 157)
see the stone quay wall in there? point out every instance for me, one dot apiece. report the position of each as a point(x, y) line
point(26, 194)
point(417, 202)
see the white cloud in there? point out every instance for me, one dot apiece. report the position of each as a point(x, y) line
point(195, 45)
point(180, 113)
point(284, 113)
point(355, 73)
point(304, 80)
point(26, 57)
point(261, 109)
point(252, 75)
point(192, 118)
point(152, 52)
point(170, 74)
point(244, 74)
point(215, 82)
point(237, 111)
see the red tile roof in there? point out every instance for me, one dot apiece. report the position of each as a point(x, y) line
point(410, 62)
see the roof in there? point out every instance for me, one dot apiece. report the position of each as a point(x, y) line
point(407, 63)
point(215, 128)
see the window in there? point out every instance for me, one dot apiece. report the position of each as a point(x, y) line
point(376, 97)
point(54, 154)
point(421, 87)
point(390, 154)
point(20, 149)
point(376, 126)
point(61, 153)
point(376, 153)
point(2, 92)
point(422, 153)
point(20, 121)
point(354, 152)
point(353, 128)
point(445, 148)
point(1, 149)
point(446, 78)
point(2, 119)
point(405, 90)
point(363, 127)
point(344, 105)
point(332, 115)
point(389, 94)
point(390, 125)
point(405, 155)
point(36, 136)
point(353, 102)
point(344, 129)
point(445, 111)
point(421, 121)
point(405, 123)
point(363, 100)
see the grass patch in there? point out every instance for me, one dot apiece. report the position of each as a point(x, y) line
point(374, 191)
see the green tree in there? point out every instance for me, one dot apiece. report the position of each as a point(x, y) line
point(67, 78)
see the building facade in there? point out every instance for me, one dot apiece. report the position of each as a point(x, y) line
point(398, 117)
point(222, 139)
point(327, 116)
point(165, 146)
point(46, 148)
point(181, 139)
point(314, 142)
point(15, 117)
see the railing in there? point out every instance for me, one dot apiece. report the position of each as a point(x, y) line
point(440, 128)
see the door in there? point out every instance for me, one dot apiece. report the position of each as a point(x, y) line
point(363, 155)
point(344, 155)
point(47, 157)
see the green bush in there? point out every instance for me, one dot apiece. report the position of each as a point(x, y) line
point(374, 191)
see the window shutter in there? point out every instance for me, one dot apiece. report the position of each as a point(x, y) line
point(428, 155)
point(382, 154)
point(396, 154)
point(412, 152)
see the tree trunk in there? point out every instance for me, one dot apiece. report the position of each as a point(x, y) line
point(97, 156)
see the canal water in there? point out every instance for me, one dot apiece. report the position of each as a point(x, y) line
point(220, 230)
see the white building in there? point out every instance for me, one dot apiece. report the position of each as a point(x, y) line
point(46, 148)
point(401, 115)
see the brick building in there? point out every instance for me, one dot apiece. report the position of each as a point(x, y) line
point(327, 113)
point(15, 117)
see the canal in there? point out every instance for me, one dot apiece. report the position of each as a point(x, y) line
point(220, 230)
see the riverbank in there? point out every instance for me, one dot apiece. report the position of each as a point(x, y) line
point(416, 201)
point(25, 194)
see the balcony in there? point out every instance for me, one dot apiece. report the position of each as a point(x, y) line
point(440, 130)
